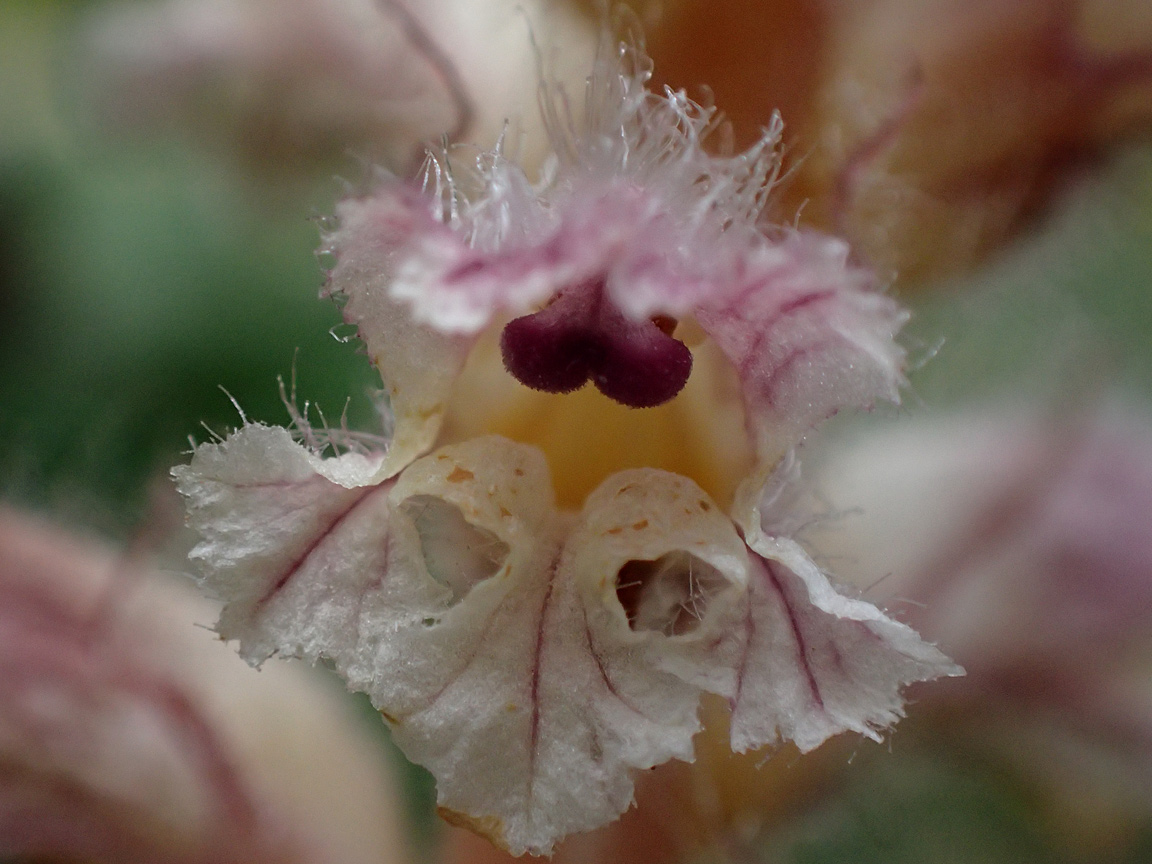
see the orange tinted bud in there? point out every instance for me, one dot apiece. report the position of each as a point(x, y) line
point(928, 131)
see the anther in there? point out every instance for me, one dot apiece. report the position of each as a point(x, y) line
point(581, 335)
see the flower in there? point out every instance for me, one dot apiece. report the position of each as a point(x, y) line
point(529, 652)
point(127, 734)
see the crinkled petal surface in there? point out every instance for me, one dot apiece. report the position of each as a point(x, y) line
point(610, 233)
point(817, 663)
point(530, 659)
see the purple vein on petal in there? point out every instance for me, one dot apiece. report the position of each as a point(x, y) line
point(749, 635)
point(534, 690)
point(753, 351)
point(609, 685)
point(377, 580)
point(281, 484)
point(800, 302)
point(328, 530)
point(452, 679)
point(768, 388)
point(797, 631)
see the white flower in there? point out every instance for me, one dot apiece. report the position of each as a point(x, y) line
point(529, 655)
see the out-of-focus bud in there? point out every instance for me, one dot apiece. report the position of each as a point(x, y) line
point(929, 131)
point(283, 82)
point(1021, 543)
point(292, 85)
point(130, 734)
point(946, 125)
point(1025, 539)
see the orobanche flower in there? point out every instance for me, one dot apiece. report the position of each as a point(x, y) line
point(531, 644)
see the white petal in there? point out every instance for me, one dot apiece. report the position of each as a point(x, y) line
point(818, 663)
point(417, 364)
point(692, 592)
point(535, 739)
point(505, 665)
point(530, 675)
point(267, 509)
point(607, 697)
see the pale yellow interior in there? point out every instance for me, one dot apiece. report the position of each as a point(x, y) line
point(587, 437)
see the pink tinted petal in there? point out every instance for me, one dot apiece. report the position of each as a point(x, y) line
point(373, 241)
point(808, 335)
point(817, 663)
point(492, 254)
point(517, 250)
point(270, 514)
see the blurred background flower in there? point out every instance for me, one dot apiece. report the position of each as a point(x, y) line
point(160, 162)
point(127, 732)
point(929, 131)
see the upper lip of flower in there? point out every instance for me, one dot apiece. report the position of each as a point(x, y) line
point(635, 215)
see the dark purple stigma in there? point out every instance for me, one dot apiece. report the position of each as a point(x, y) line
point(581, 335)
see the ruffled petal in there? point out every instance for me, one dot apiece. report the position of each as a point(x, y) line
point(531, 660)
point(817, 663)
point(606, 687)
point(504, 660)
point(271, 514)
point(632, 198)
point(808, 335)
point(427, 592)
point(417, 363)
point(493, 252)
